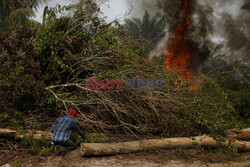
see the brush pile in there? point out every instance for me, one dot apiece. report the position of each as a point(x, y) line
point(71, 49)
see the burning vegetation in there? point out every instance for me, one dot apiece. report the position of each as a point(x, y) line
point(68, 50)
point(183, 53)
point(180, 50)
point(211, 23)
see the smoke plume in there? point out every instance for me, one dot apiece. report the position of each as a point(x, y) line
point(227, 20)
point(235, 28)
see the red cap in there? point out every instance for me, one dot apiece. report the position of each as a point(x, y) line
point(73, 113)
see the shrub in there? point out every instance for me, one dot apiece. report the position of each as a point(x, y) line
point(38, 146)
point(19, 72)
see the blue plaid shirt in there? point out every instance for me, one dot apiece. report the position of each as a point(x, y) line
point(63, 127)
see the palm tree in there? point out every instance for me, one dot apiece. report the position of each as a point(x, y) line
point(17, 11)
point(147, 27)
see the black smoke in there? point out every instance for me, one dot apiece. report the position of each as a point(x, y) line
point(228, 20)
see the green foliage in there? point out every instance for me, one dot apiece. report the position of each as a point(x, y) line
point(4, 116)
point(94, 138)
point(217, 104)
point(20, 15)
point(38, 146)
point(232, 149)
point(69, 49)
point(16, 12)
point(51, 62)
point(15, 164)
point(46, 100)
point(150, 28)
point(91, 138)
point(60, 40)
point(17, 120)
point(234, 80)
point(241, 102)
point(172, 111)
point(19, 72)
point(39, 127)
point(198, 147)
point(225, 154)
point(184, 153)
point(37, 56)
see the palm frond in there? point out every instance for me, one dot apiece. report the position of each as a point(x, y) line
point(17, 11)
point(19, 15)
point(146, 27)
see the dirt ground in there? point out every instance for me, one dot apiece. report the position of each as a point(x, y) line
point(156, 158)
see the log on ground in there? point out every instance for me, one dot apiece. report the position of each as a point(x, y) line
point(37, 134)
point(8, 133)
point(104, 149)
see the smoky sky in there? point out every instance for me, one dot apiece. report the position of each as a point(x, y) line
point(112, 9)
point(228, 20)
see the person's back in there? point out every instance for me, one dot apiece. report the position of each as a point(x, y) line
point(62, 129)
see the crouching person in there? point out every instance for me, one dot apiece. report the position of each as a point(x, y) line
point(62, 129)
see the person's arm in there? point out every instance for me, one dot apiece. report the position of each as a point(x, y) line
point(54, 125)
point(79, 131)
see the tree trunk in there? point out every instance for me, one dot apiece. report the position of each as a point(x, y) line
point(8, 133)
point(19, 135)
point(101, 149)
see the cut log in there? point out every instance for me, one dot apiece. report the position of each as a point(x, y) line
point(243, 136)
point(20, 135)
point(37, 134)
point(104, 149)
point(247, 130)
point(100, 149)
point(8, 132)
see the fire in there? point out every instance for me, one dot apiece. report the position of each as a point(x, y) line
point(180, 49)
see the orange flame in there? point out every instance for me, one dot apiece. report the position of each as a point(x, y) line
point(180, 49)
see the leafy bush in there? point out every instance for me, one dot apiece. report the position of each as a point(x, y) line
point(234, 80)
point(60, 42)
point(38, 146)
point(172, 111)
point(241, 102)
point(19, 72)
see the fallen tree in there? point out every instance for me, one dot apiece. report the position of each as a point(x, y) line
point(38, 134)
point(20, 134)
point(103, 149)
point(243, 134)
